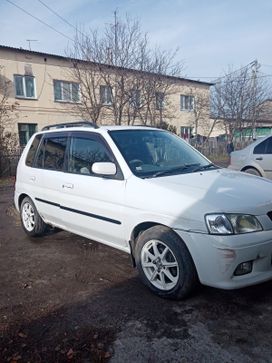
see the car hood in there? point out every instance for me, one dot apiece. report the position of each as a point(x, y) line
point(221, 190)
point(188, 197)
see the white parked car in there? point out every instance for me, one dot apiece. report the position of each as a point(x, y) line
point(147, 192)
point(254, 159)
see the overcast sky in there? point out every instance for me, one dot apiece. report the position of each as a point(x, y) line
point(211, 34)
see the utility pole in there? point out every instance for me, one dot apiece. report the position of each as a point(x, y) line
point(115, 37)
point(255, 68)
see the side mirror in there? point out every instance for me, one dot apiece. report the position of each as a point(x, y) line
point(104, 168)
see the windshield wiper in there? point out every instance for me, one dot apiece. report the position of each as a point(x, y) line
point(205, 167)
point(174, 170)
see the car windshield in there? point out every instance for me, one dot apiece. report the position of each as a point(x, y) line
point(154, 153)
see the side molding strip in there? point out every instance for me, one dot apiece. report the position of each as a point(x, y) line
point(96, 216)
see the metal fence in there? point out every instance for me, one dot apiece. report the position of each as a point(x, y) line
point(217, 149)
point(8, 164)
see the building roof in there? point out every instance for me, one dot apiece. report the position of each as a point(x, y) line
point(43, 54)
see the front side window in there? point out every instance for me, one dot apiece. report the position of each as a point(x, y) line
point(105, 95)
point(66, 91)
point(187, 103)
point(159, 100)
point(25, 132)
point(24, 86)
point(51, 154)
point(153, 153)
point(84, 151)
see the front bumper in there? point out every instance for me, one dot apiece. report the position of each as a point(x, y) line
point(217, 257)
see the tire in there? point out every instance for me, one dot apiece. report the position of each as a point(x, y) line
point(32, 223)
point(165, 264)
point(252, 171)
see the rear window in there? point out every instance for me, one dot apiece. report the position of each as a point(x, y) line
point(32, 151)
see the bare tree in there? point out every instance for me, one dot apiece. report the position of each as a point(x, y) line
point(237, 98)
point(8, 139)
point(121, 76)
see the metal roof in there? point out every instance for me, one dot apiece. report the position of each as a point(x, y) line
point(43, 54)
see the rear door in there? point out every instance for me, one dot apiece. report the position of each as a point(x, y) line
point(263, 156)
point(92, 205)
point(48, 176)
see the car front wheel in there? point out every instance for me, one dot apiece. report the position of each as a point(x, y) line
point(32, 223)
point(164, 263)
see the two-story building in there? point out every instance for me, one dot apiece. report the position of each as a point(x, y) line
point(44, 91)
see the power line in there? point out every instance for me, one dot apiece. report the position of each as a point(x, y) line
point(40, 20)
point(62, 18)
point(59, 16)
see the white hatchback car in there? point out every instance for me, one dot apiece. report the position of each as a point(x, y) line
point(147, 192)
point(254, 159)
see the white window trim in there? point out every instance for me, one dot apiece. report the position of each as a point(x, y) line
point(24, 87)
point(71, 91)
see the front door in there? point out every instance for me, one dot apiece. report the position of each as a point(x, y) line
point(92, 205)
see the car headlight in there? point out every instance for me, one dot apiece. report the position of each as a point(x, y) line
point(232, 223)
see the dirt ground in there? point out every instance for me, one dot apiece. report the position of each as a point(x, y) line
point(67, 299)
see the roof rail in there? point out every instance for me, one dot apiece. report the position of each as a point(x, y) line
point(71, 124)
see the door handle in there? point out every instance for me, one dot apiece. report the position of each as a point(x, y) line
point(32, 178)
point(260, 158)
point(68, 186)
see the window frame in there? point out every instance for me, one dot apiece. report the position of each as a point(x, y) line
point(70, 83)
point(94, 136)
point(159, 101)
point(23, 76)
point(69, 134)
point(266, 143)
point(135, 99)
point(37, 136)
point(106, 87)
point(29, 136)
point(191, 102)
point(47, 136)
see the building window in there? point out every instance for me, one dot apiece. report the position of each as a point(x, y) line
point(25, 86)
point(25, 132)
point(187, 103)
point(185, 132)
point(106, 95)
point(159, 100)
point(66, 91)
point(135, 98)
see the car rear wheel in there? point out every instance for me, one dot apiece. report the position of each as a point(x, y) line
point(164, 263)
point(32, 223)
point(252, 171)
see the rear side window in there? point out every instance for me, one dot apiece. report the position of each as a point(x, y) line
point(51, 154)
point(32, 151)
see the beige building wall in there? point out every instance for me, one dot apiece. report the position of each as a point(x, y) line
point(44, 110)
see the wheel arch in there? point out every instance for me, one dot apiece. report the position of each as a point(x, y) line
point(259, 170)
point(140, 228)
point(21, 198)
